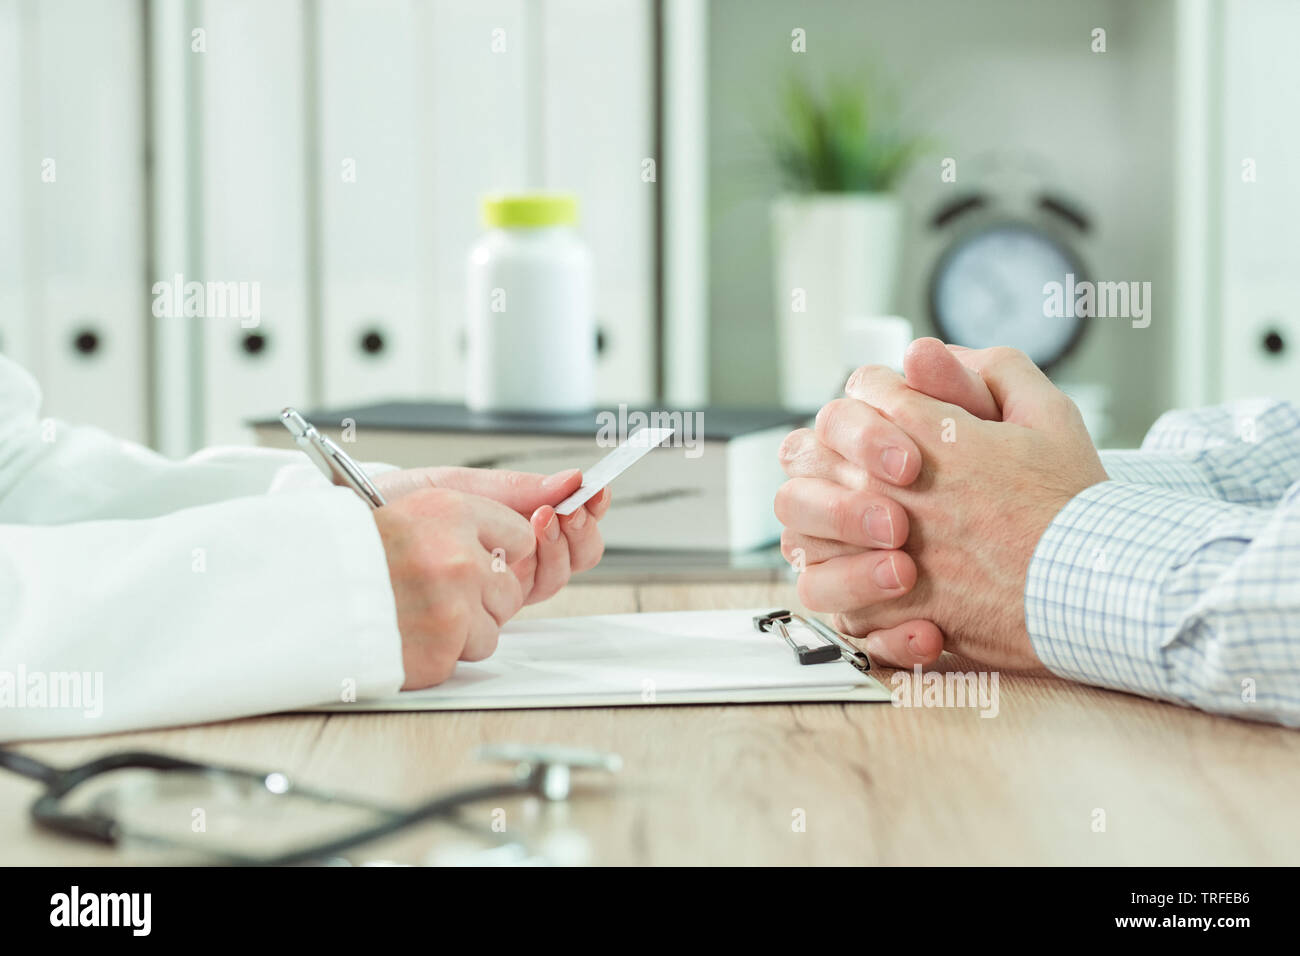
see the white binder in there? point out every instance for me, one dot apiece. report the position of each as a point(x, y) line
point(472, 117)
point(83, 171)
point(596, 106)
point(1260, 219)
point(253, 209)
point(377, 342)
point(17, 176)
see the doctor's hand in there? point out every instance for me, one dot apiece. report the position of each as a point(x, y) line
point(449, 562)
point(975, 497)
point(565, 545)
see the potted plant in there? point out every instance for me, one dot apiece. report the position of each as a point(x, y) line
point(836, 228)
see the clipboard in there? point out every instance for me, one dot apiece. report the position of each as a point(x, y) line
point(636, 660)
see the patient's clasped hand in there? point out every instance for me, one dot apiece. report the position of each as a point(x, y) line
point(969, 496)
point(963, 505)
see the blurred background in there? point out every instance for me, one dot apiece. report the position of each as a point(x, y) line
point(759, 183)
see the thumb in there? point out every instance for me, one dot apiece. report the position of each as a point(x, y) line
point(1026, 396)
point(930, 367)
point(905, 645)
point(519, 491)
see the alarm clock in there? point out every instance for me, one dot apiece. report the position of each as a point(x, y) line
point(987, 286)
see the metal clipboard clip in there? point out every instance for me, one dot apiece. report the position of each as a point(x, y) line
point(829, 646)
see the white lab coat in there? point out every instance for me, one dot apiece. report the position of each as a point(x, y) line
point(235, 582)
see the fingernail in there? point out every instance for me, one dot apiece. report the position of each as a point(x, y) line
point(578, 518)
point(886, 574)
point(894, 461)
point(553, 528)
point(559, 478)
point(880, 525)
point(914, 646)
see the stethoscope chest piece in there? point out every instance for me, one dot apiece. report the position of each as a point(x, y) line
point(548, 770)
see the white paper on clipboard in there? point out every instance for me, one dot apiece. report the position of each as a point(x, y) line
point(615, 660)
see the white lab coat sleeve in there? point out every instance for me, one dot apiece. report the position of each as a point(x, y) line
point(138, 592)
point(248, 606)
point(55, 473)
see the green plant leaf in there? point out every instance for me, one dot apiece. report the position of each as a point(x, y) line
point(838, 139)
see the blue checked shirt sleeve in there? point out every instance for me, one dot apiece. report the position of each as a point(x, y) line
point(1175, 594)
point(1245, 452)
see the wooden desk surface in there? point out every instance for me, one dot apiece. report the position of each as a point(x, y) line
point(876, 784)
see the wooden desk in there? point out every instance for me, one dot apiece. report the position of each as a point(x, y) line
point(877, 784)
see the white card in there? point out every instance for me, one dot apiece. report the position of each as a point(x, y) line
point(637, 446)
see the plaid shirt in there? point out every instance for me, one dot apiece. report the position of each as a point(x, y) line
point(1180, 577)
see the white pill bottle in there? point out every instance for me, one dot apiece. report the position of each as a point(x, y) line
point(532, 325)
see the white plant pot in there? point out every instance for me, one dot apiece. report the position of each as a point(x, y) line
point(836, 256)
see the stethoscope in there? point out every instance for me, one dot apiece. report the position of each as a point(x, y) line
point(540, 771)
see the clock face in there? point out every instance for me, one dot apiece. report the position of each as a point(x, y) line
point(988, 290)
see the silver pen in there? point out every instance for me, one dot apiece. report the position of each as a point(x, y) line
point(333, 462)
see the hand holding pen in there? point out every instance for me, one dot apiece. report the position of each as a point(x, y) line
point(462, 557)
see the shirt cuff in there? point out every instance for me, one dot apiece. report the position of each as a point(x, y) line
point(1177, 471)
point(1096, 602)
